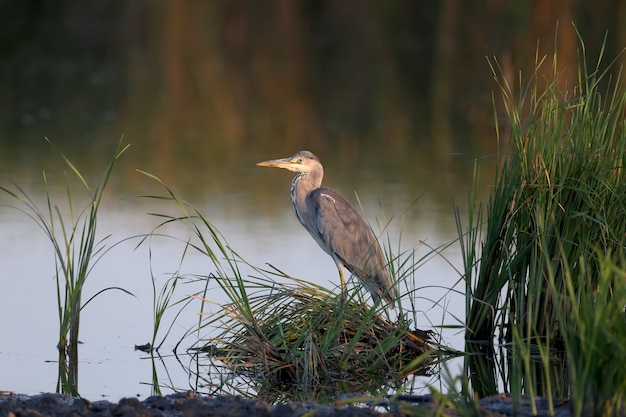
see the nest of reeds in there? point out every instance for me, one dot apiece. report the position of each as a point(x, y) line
point(303, 335)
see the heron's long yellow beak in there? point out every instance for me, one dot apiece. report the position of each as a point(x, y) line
point(285, 163)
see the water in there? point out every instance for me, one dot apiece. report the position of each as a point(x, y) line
point(260, 231)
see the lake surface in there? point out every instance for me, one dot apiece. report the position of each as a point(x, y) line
point(261, 230)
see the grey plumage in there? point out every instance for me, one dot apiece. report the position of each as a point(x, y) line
point(336, 226)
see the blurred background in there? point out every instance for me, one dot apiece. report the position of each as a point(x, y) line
point(201, 84)
point(396, 98)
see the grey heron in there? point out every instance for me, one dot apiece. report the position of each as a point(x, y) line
point(336, 226)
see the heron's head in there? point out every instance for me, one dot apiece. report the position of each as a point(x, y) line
point(303, 161)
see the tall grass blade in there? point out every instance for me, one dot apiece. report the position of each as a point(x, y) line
point(556, 211)
point(76, 249)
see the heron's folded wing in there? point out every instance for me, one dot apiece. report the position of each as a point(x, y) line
point(343, 230)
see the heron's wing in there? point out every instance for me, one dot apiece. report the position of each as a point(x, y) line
point(345, 232)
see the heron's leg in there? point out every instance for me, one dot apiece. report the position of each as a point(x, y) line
point(343, 279)
point(344, 289)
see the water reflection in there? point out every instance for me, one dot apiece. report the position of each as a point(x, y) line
point(67, 380)
point(210, 377)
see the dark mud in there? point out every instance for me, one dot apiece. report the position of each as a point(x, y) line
point(189, 404)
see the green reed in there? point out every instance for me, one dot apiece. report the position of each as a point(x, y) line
point(554, 216)
point(278, 331)
point(76, 250)
point(591, 305)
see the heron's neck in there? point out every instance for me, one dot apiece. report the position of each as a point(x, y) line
point(301, 186)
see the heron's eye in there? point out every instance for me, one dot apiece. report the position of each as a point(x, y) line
point(297, 160)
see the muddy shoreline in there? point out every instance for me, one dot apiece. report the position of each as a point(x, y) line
point(190, 404)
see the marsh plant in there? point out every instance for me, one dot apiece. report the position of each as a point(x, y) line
point(73, 234)
point(287, 336)
point(544, 269)
point(298, 334)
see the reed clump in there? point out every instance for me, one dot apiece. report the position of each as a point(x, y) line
point(555, 220)
point(280, 332)
point(299, 334)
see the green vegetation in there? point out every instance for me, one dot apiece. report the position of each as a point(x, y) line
point(545, 276)
point(76, 250)
point(278, 332)
point(591, 307)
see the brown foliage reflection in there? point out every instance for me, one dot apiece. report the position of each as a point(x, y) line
point(192, 82)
